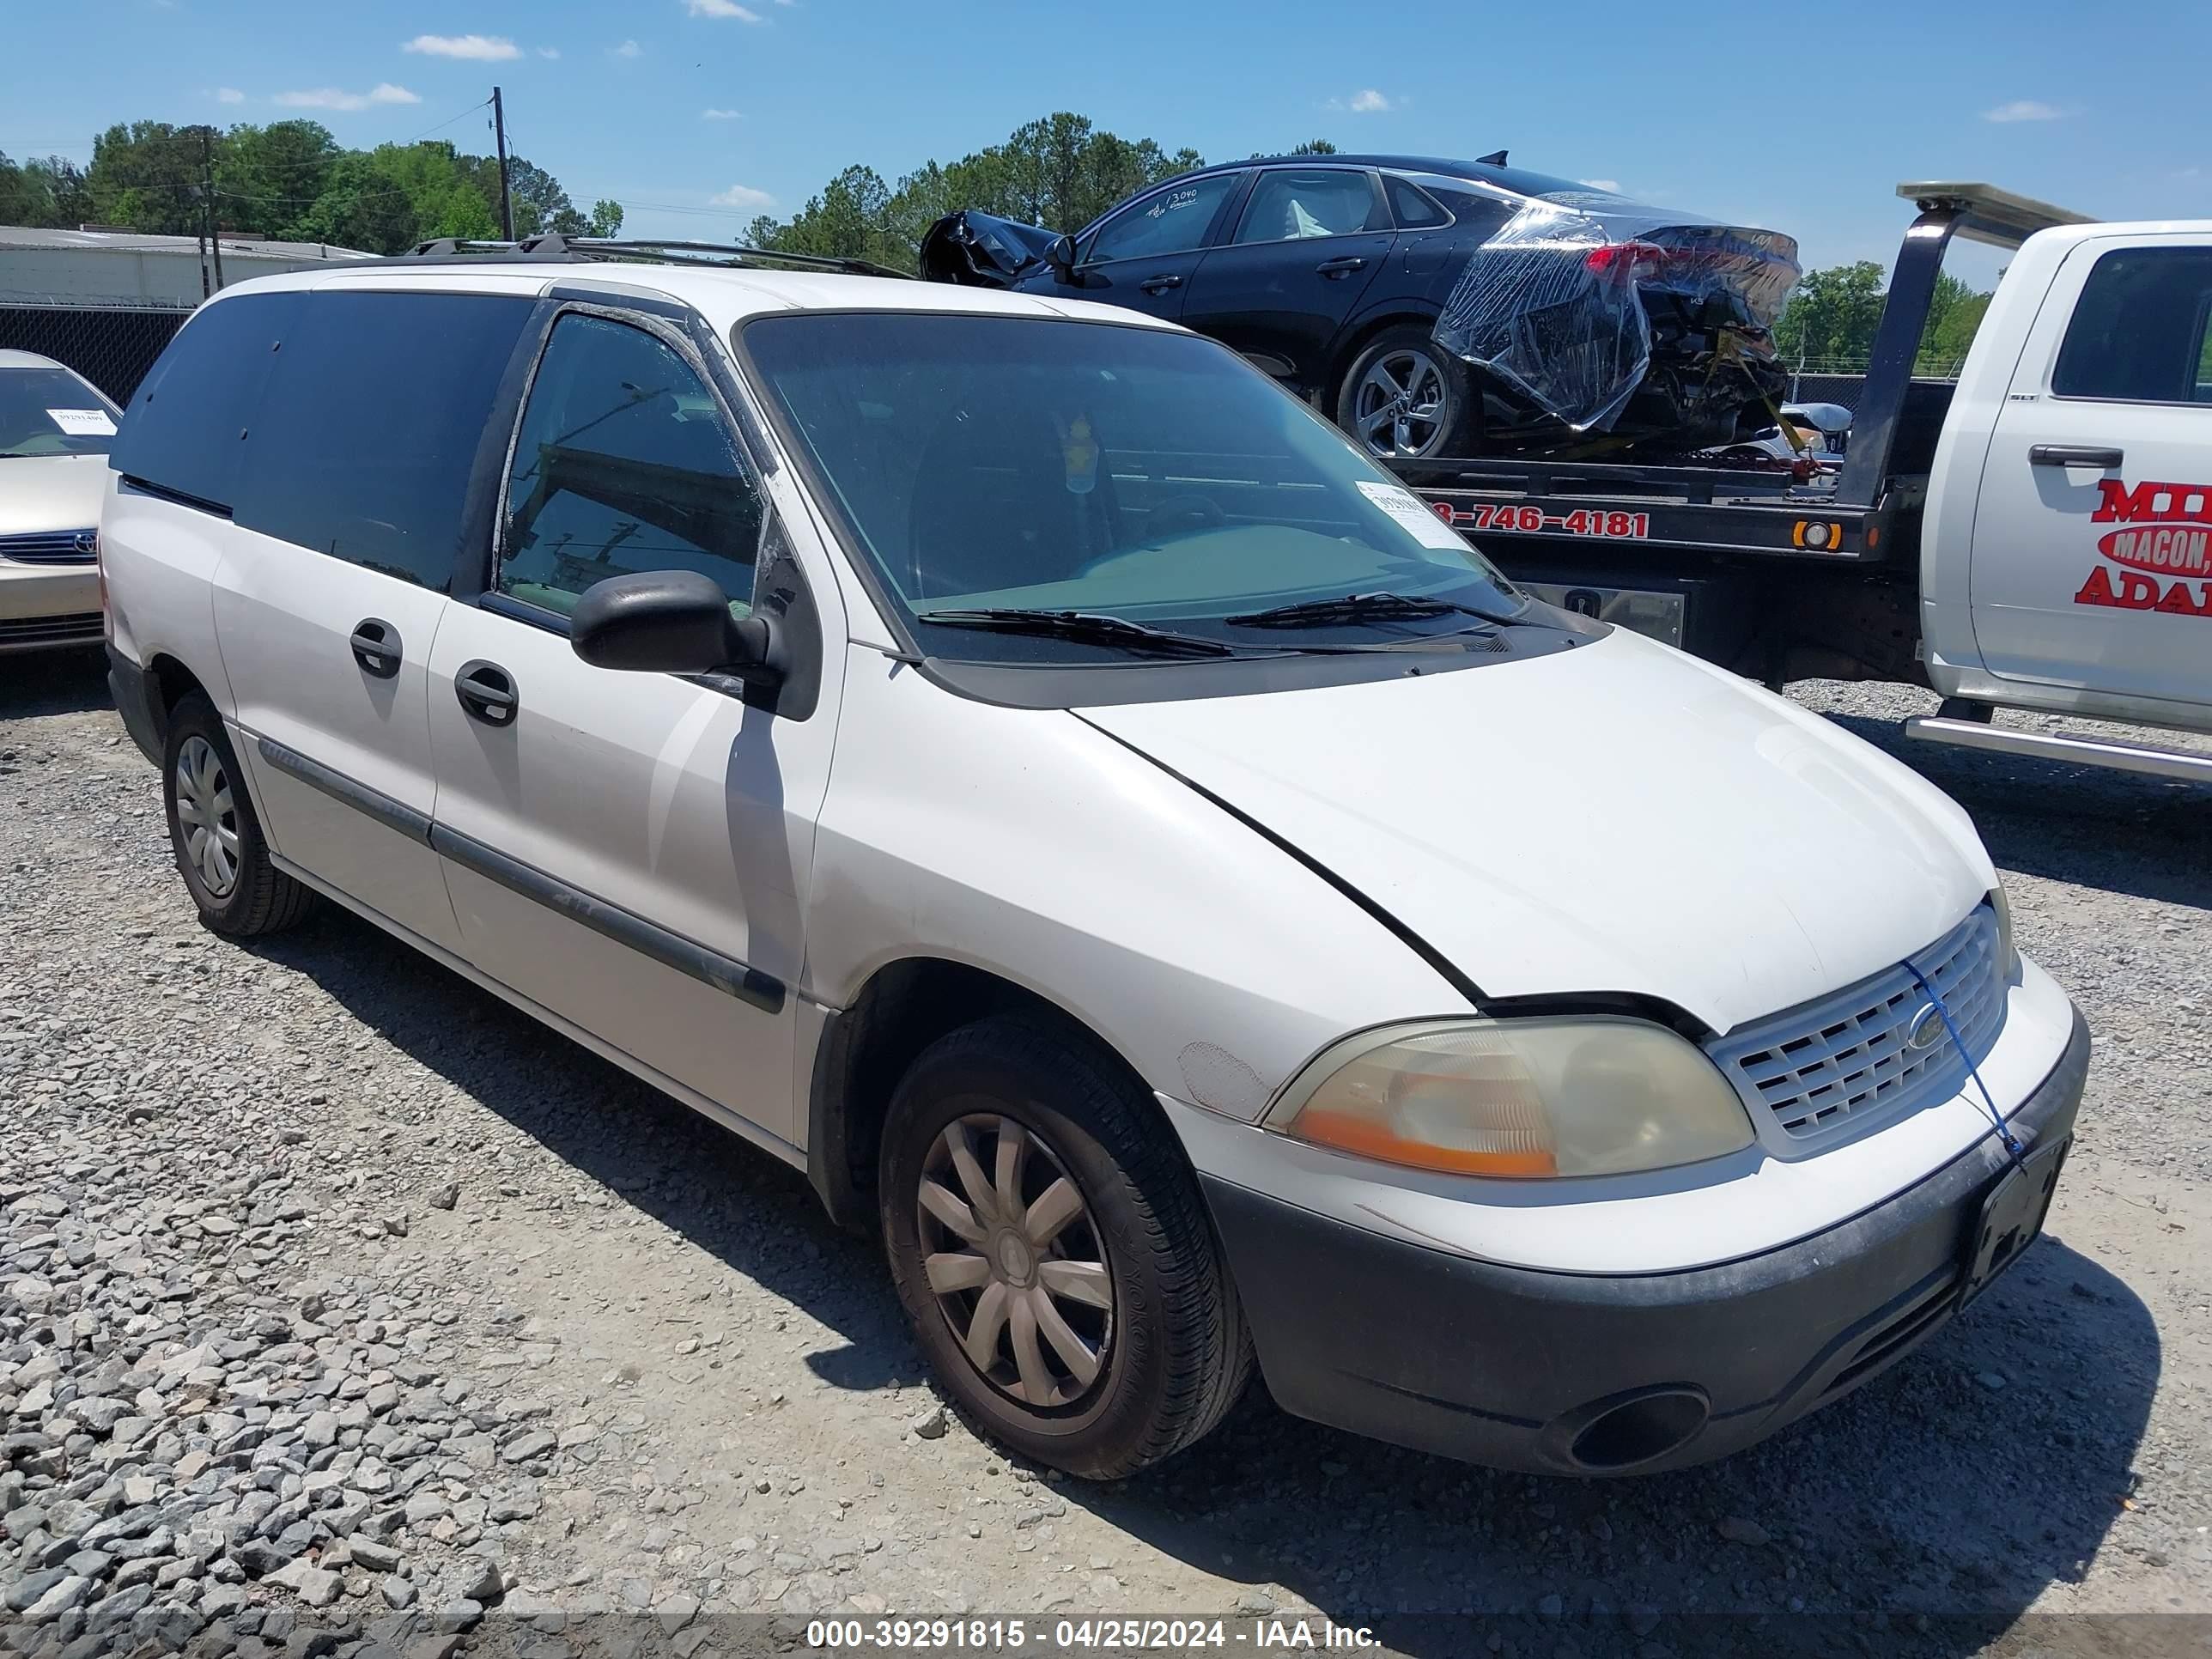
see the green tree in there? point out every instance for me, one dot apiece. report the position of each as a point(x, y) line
point(1315, 147)
point(146, 175)
point(540, 203)
point(1954, 313)
point(46, 192)
point(1833, 314)
point(267, 178)
point(1060, 171)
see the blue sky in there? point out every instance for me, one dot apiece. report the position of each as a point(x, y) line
point(696, 114)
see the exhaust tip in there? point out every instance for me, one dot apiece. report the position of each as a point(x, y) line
point(1623, 1432)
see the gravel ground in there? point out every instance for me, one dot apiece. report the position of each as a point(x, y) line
point(344, 1309)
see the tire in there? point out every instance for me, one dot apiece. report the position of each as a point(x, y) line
point(216, 839)
point(1170, 1351)
point(1405, 357)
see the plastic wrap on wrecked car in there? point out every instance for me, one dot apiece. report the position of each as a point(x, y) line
point(980, 249)
point(1558, 303)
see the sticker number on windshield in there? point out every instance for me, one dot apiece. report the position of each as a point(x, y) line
point(1589, 521)
point(83, 422)
point(1406, 507)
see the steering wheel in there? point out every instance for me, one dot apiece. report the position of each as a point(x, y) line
point(1181, 514)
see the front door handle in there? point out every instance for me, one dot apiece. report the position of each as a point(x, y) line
point(2073, 455)
point(1343, 265)
point(1161, 283)
point(375, 645)
point(487, 692)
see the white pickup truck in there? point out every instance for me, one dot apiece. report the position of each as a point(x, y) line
point(2039, 537)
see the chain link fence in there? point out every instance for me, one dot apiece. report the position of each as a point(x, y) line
point(112, 346)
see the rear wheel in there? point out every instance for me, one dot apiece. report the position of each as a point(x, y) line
point(212, 830)
point(1053, 1253)
point(1405, 398)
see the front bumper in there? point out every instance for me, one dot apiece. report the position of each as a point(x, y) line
point(48, 607)
point(1580, 1373)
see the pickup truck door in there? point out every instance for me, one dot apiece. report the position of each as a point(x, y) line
point(2092, 551)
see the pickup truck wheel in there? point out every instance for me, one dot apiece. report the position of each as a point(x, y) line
point(1054, 1253)
point(217, 839)
point(1405, 398)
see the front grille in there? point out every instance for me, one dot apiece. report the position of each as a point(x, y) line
point(49, 547)
point(1830, 1067)
point(83, 628)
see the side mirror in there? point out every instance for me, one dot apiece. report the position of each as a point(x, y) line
point(672, 622)
point(1060, 254)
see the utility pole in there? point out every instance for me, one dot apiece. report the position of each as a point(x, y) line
point(506, 192)
point(207, 201)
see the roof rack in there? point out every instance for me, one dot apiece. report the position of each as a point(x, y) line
point(583, 250)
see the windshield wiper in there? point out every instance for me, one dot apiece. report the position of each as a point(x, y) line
point(1366, 607)
point(1085, 626)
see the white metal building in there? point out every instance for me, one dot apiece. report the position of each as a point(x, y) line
point(107, 267)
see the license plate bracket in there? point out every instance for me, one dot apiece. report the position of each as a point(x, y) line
point(2012, 1215)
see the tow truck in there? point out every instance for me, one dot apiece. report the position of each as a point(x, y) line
point(2038, 536)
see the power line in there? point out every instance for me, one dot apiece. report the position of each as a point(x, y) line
point(448, 121)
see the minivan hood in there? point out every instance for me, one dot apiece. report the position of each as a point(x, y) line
point(51, 492)
point(1619, 817)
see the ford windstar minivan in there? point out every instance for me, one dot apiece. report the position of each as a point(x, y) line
point(1007, 758)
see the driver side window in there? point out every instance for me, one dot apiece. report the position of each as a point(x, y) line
point(1169, 220)
point(623, 464)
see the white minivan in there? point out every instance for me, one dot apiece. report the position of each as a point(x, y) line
point(1008, 759)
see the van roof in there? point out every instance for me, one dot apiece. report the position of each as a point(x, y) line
point(724, 296)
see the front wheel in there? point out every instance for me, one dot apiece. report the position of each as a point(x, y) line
point(1405, 398)
point(1053, 1251)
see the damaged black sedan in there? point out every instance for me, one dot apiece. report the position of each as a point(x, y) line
point(1435, 308)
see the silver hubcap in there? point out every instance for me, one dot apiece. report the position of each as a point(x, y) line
point(1401, 404)
point(1015, 1261)
point(207, 817)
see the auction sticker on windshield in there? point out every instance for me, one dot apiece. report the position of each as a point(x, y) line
point(83, 422)
point(1406, 507)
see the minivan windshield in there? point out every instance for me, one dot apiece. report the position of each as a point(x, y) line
point(995, 464)
point(49, 411)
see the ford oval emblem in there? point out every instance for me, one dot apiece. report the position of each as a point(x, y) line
point(1925, 1031)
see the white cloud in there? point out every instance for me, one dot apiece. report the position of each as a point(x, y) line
point(743, 196)
point(2025, 109)
point(720, 8)
point(721, 115)
point(1367, 101)
point(482, 48)
point(332, 98)
point(549, 52)
point(1611, 185)
point(228, 95)
point(630, 49)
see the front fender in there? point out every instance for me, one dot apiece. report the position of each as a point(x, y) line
point(1030, 845)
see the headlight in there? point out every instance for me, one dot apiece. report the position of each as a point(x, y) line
point(1579, 1097)
point(2008, 952)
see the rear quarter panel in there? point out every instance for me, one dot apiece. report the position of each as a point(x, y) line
point(160, 561)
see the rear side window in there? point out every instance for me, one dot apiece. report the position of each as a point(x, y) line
point(1299, 204)
point(623, 464)
point(182, 428)
point(363, 444)
point(2138, 332)
point(1411, 205)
